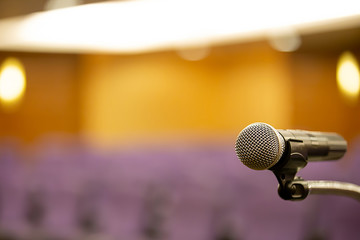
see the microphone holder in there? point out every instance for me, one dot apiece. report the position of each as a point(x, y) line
point(300, 189)
point(292, 187)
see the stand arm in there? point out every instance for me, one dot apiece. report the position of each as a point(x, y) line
point(299, 189)
point(334, 188)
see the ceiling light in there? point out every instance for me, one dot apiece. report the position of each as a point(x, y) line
point(149, 25)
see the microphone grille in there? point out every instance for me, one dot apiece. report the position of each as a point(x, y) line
point(259, 146)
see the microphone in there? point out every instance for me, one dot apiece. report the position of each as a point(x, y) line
point(259, 146)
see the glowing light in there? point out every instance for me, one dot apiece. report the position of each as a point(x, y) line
point(56, 4)
point(115, 26)
point(195, 54)
point(285, 39)
point(348, 78)
point(12, 81)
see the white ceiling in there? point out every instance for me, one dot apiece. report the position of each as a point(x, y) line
point(151, 25)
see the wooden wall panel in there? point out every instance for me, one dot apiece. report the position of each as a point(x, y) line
point(50, 103)
point(318, 103)
point(161, 94)
point(127, 98)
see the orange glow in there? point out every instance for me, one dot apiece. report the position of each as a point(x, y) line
point(162, 96)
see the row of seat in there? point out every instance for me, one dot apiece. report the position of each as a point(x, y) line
point(68, 190)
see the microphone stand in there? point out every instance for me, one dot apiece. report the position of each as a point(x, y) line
point(292, 187)
point(299, 189)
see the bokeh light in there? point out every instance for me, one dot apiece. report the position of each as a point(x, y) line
point(195, 54)
point(12, 81)
point(348, 79)
point(285, 39)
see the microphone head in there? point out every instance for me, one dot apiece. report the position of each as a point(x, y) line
point(259, 146)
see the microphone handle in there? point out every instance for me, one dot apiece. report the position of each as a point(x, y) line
point(320, 145)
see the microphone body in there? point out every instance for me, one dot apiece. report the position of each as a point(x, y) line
point(259, 146)
point(320, 146)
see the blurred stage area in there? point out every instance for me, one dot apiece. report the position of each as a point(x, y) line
point(135, 146)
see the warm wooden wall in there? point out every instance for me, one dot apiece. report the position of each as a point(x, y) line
point(318, 103)
point(127, 98)
point(161, 94)
point(51, 99)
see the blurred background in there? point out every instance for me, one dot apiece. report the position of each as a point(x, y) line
point(118, 119)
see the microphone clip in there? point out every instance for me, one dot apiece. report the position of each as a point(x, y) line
point(298, 189)
point(292, 187)
point(294, 158)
